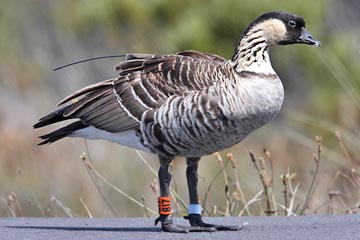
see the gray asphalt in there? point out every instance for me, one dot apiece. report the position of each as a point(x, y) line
point(306, 227)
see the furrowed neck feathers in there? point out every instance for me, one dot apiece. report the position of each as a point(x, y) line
point(252, 51)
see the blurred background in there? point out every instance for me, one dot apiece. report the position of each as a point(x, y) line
point(322, 98)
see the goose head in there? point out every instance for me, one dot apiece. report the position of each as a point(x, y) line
point(281, 28)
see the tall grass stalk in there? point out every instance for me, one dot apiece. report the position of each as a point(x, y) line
point(317, 162)
point(118, 189)
point(86, 208)
point(173, 193)
point(271, 187)
point(93, 179)
point(39, 206)
point(145, 207)
point(9, 207)
point(327, 153)
point(210, 186)
point(260, 168)
point(255, 199)
point(87, 157)
point(293, 191)
point(227, 198)
point(343, 148)
point(231, 158)
point(66, 210)
point(284, 181)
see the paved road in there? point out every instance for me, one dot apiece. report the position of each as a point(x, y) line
point(308, 227)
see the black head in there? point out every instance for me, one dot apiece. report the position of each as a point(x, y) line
point(283, 28)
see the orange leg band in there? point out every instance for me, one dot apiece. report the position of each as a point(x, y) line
point(164, 205)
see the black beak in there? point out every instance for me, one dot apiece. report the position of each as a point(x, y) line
point(306, 38)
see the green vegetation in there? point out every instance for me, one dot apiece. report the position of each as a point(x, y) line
point(322, 87)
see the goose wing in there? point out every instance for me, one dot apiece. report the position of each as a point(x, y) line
point(144, 83)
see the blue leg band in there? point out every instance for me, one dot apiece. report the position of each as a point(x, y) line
point(195, 209)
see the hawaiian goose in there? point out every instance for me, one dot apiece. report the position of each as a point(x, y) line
point(187, 104)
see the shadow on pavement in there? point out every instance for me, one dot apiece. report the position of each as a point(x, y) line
point(99, 229)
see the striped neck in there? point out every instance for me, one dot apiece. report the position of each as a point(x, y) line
point(252, 54)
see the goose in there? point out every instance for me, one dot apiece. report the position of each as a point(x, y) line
point(187, 104)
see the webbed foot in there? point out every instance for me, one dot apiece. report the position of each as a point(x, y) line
point(168, 226)
point(197, 222)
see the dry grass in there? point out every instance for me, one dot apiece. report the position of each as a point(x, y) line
point(330, 191)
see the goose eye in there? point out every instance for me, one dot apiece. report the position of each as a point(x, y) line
point(292, 23)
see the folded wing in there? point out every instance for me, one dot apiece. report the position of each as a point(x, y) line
point(144, 83)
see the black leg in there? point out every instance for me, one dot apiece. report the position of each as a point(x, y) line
point(194, 216)
point(192, 178)
point(164, 199)
point(164, 176)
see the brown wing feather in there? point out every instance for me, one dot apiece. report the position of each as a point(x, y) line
point(205, 56)
point(85, 90)
point(145, 82)
point(97, 106)
point(185, 71)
